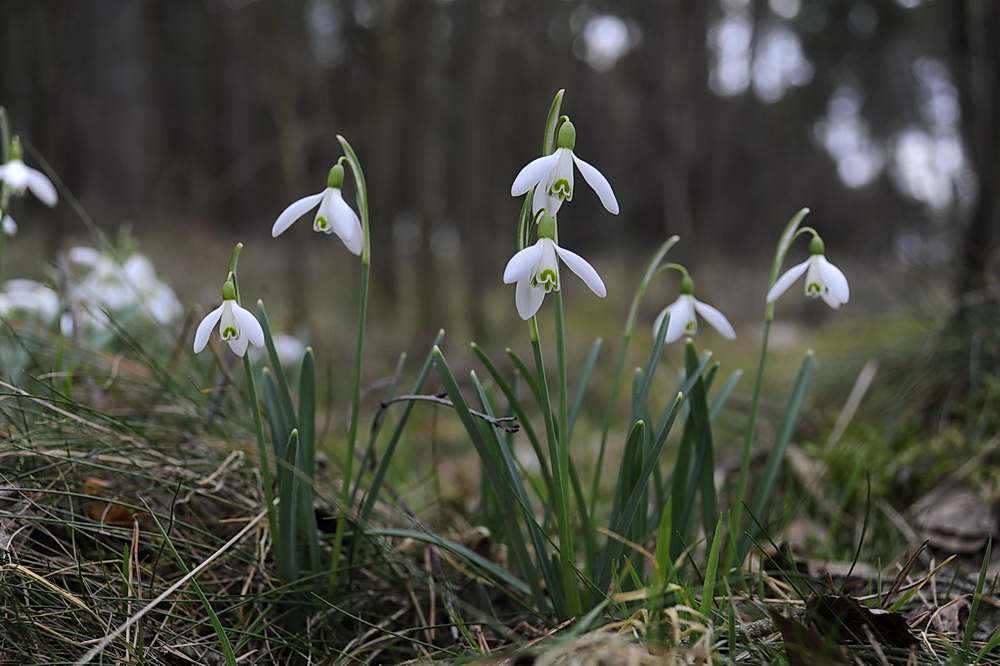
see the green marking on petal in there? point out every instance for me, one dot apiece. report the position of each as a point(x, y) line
point(547, 279)
point(230, 333)
point(813, 289)
point(561, 189)
point(322, 224)
point(690, 326)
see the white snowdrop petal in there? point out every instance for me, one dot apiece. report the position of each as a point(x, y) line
point(584, 270)
point(520, 264)
point(239, 345)
point(248, 325)
point(528, 299)
point(716, 319)
point(599, 183)
point(294, 211)
point(41, 186)
point(681, 316)
point(786, 280)
point(835, 280)
point(533, 173)
point(205, 328)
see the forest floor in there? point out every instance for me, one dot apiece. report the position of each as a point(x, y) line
point(134, 528)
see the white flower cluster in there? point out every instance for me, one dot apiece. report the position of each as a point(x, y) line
point(100, 294)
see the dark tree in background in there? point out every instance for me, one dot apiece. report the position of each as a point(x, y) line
point(715, 120)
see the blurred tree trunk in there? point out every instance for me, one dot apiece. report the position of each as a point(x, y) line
point(428, 51)
point(288, 33)
point(475, 216)
point(977, 50)
point(385, 193)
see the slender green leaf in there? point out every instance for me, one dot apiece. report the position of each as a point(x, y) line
point(786, 427)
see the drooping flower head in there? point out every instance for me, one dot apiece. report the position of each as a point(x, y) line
point(535, 269)
point(823, 279)
point(18, 177)
point(552, 176)
point(683, 319)
point(334, 216)
point(237, 326)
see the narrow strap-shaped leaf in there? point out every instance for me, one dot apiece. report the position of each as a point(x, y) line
point(305, 460)
point(719, 401)
point(518, 551)
point(522, 417)
point(275, 415)
point(518, 496)
point(711, 571)
point(284, 392)
point(783, 436)
point(394, 438)
point(583, 382)
point(288, 481)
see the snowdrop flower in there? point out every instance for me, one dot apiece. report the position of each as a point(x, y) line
point(9, 226)
point(236, 325)
point(552, 176)
point(682, 316)
point(535, 269)
point(334, 216)
point(19, 177)
point(823, 279)
point(29, 298)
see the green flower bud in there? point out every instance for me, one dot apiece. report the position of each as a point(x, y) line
point(229, 291)
point(547, 227)
point(687, 285)
point(336, 177)
point(567, 136)
point(816, 246)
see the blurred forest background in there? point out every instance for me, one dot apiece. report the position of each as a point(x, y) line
point(715, 120)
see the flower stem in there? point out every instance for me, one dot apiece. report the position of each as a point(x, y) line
point(565, 525)
point(361, 192)
point(743, 540)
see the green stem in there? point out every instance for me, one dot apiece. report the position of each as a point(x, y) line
point(361, 192)
point(784, 242)
point(565, 524)
point(560, 478)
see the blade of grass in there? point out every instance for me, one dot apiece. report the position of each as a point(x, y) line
point(972, 623)
point(224, 644)
point(397, 433)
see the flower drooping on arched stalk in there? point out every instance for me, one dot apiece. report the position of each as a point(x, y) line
point(334, 216)
point(552, 176)
point(683, 311)
point(823, 279)
point(535, 269)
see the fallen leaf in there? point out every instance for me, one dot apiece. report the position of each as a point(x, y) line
point(805, 645)
point(844, 620)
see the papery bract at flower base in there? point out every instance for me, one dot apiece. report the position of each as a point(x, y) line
point(334, 216)
point(683, 319)
point(552, 177)
point(237, 326)
point(535, 269)
point(823, 280)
